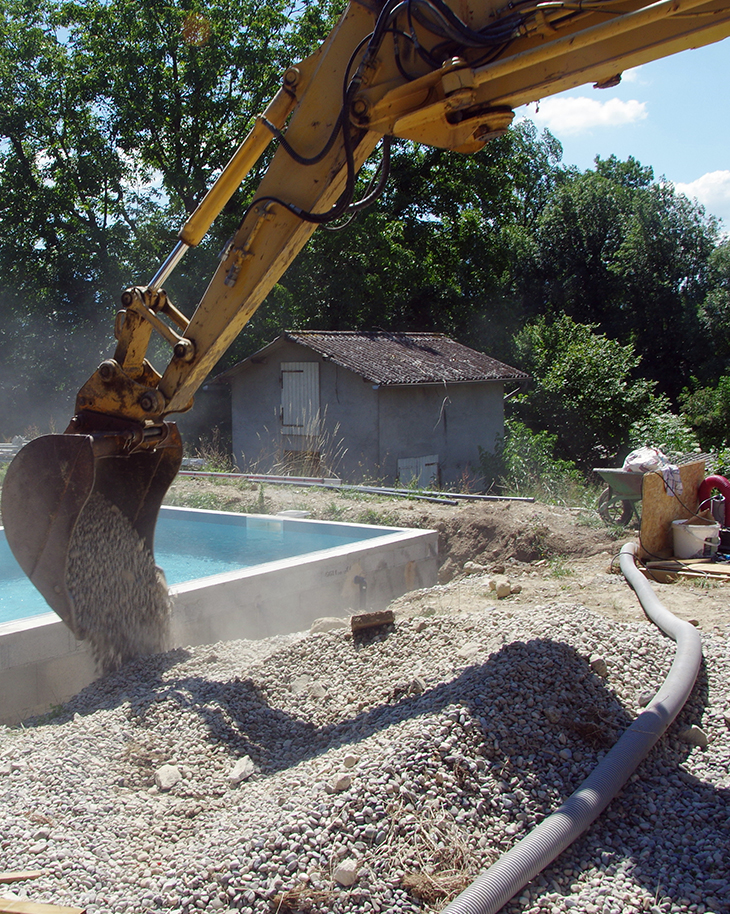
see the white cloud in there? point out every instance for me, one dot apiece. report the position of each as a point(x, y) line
point(570, 116)
point(712, 190)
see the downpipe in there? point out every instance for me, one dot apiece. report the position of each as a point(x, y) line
point(494, 888)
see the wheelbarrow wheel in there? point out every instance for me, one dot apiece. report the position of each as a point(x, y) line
point(614, 512)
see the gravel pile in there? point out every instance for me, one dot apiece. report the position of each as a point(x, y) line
point(322, 773)
point(120, 598)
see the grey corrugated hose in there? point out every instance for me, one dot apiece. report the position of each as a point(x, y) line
point(490, 891)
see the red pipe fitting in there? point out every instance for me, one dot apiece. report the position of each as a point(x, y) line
point(723, 486)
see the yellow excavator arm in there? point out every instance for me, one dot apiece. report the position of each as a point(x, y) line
point(447, 73)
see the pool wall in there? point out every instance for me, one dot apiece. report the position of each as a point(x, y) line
point(42, 664)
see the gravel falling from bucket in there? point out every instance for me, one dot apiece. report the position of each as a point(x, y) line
point(120, 596)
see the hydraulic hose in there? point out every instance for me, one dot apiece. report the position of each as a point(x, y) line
point(490, 891)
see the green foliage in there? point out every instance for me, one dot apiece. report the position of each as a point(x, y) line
point(445, 248)
point(631, 256)
point(660, 427)
point(334, 511)
point(582, 392)
point(707, 409)
point(377, 518)
point(528, 466)
point(215, 452)
point(559, 567)
point(714, 315)
point(115, 116)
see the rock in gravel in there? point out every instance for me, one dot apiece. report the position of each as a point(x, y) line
point(345, 873)
point(694, 735)
point(241, 771)
point(300, 684)
point(503, 589)
point(339, 783)
point(316, 690)
point(445, 779)
point(327, 624)
point(167, 776)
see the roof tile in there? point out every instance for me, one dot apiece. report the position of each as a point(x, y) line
point(404, 358)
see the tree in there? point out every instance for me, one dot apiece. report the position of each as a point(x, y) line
point(114, 116)
point(631, 255)
point(63, 237)
point(184, 78)
point(714, 315)
point(707, 409)
point(582, 389)
point(447, 248)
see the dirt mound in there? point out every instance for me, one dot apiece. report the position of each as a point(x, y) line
point(501, 531)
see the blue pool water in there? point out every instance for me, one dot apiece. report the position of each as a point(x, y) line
point(191, 545)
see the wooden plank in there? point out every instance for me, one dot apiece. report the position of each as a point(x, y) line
point(20, 875)
point(659, 508)
point(659, 576)
point(696, 565)
point(10, 906)
point(701, 576)
point(365, 621)
point(712, 568)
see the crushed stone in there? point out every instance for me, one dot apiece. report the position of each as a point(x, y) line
point(436, 781)
point(120, 597)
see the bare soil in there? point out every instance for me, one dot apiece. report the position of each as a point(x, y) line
point(547, 553)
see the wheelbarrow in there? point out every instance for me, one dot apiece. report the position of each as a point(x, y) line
point(619, 502)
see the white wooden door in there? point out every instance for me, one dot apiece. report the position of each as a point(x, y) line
point(300, 398)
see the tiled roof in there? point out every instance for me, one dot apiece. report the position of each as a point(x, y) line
point(404, 358)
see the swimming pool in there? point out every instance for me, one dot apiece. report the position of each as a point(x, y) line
point(193, 544)
point(354, 567)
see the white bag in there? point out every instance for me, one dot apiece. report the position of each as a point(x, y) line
point(645, 460)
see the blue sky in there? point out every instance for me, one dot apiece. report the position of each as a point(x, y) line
point(672, 114)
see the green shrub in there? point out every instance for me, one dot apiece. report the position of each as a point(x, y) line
point(661, 428)
point(524, 464)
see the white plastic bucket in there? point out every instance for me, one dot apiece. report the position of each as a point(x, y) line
point(690, 539)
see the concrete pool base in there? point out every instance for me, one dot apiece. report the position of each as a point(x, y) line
point(42, 664)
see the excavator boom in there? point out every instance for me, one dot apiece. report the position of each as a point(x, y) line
point(446, 73)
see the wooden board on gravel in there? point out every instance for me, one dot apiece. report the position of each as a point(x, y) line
point(10, 906)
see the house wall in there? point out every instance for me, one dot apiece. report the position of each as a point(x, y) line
point(451, 421)
point(348, 403)
point(370, 428)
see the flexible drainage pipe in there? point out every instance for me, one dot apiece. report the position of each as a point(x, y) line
point(490, 891)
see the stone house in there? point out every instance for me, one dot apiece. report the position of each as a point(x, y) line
point(401, 408)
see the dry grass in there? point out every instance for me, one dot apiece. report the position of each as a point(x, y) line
point(301, 900)
point(438, 856)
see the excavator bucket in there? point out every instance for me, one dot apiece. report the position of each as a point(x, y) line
point(79, 513)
